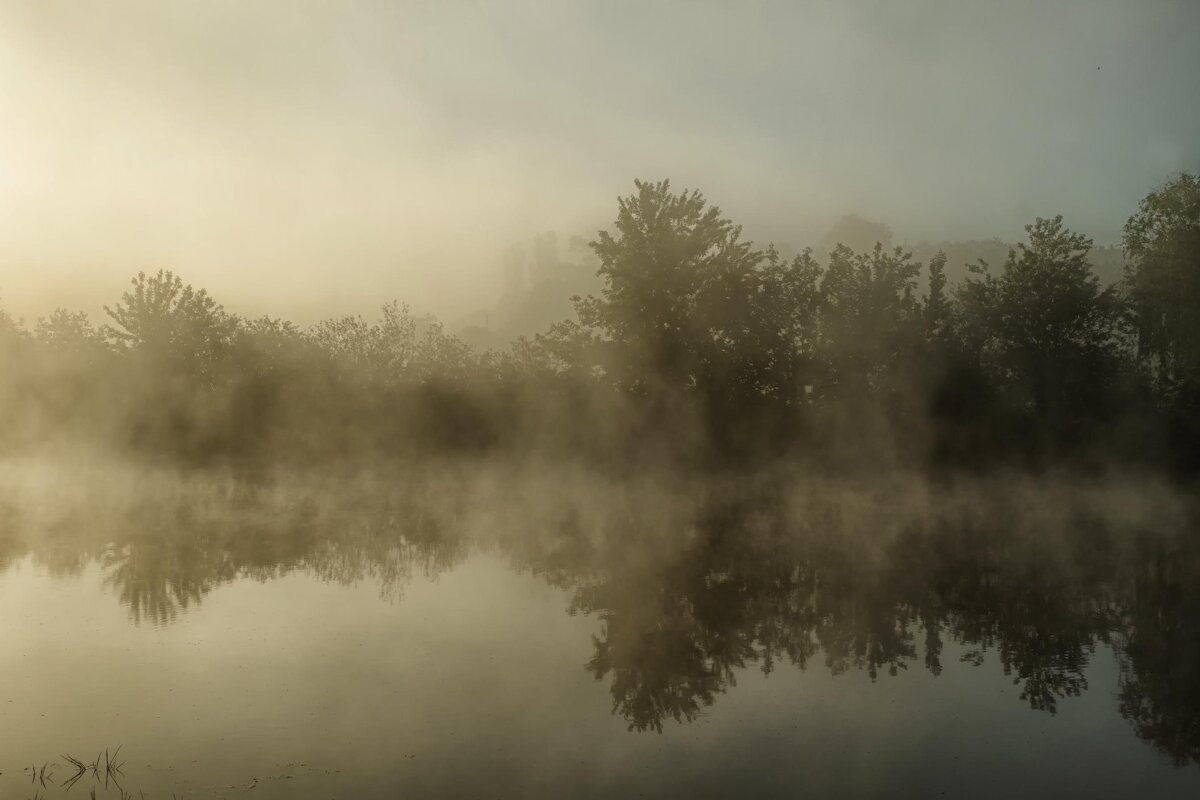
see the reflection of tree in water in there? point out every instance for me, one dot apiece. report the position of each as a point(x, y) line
point(157, 579)
point(1159, 651)
point(158, 576)
point(752, 580)
point(693, 583)
point(674, 634)
point(160, 556)
point(1024, 594)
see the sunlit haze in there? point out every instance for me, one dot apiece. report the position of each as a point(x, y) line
point(305, 159)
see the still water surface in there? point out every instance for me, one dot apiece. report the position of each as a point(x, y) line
point(491, 632)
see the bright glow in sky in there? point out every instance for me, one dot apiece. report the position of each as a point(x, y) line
point(306, 158)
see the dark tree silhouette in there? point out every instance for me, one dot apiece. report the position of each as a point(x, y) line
point(1044, 329)
point(1162, 245)
point(698, 347)
point(164, 318)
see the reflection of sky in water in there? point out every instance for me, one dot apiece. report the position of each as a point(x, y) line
point(470, 676)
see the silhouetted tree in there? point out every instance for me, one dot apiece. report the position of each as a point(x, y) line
point(69, 333)
point(696, 344)
point(1045, 329)
point(870, 318)
point(1162, 282)
point(1162, 245)
point(671, 256)
point(164, 318)
point(936, 308)
point(689, 310)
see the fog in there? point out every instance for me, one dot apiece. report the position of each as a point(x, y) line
point(310, 159)
point(586, 615)
point(594, 400)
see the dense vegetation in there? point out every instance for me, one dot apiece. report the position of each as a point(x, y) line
point(698, 347)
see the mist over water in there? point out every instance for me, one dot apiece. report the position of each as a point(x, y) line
point(599, 400)
point(362, 635)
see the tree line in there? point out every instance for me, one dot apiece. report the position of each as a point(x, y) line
point(698, 345)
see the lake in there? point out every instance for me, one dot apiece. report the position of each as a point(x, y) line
point(538, 630)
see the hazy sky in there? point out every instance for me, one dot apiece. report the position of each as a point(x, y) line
point(303, 158)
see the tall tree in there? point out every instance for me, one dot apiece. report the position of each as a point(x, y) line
point(936, 307)
point(870, 317)
point(1162, 277)
point(1044, 325)
point(687, 308)
point(164, 317)
point(670, 257)
point(69, 333)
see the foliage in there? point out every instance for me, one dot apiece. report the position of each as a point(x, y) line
point(69, 332)
point(166, 319)
point(697, 345)
point(1162, 246)
point(870, 316)
point(677, 280)
point(1044, 329)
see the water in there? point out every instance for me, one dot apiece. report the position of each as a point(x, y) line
point(490, 631)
